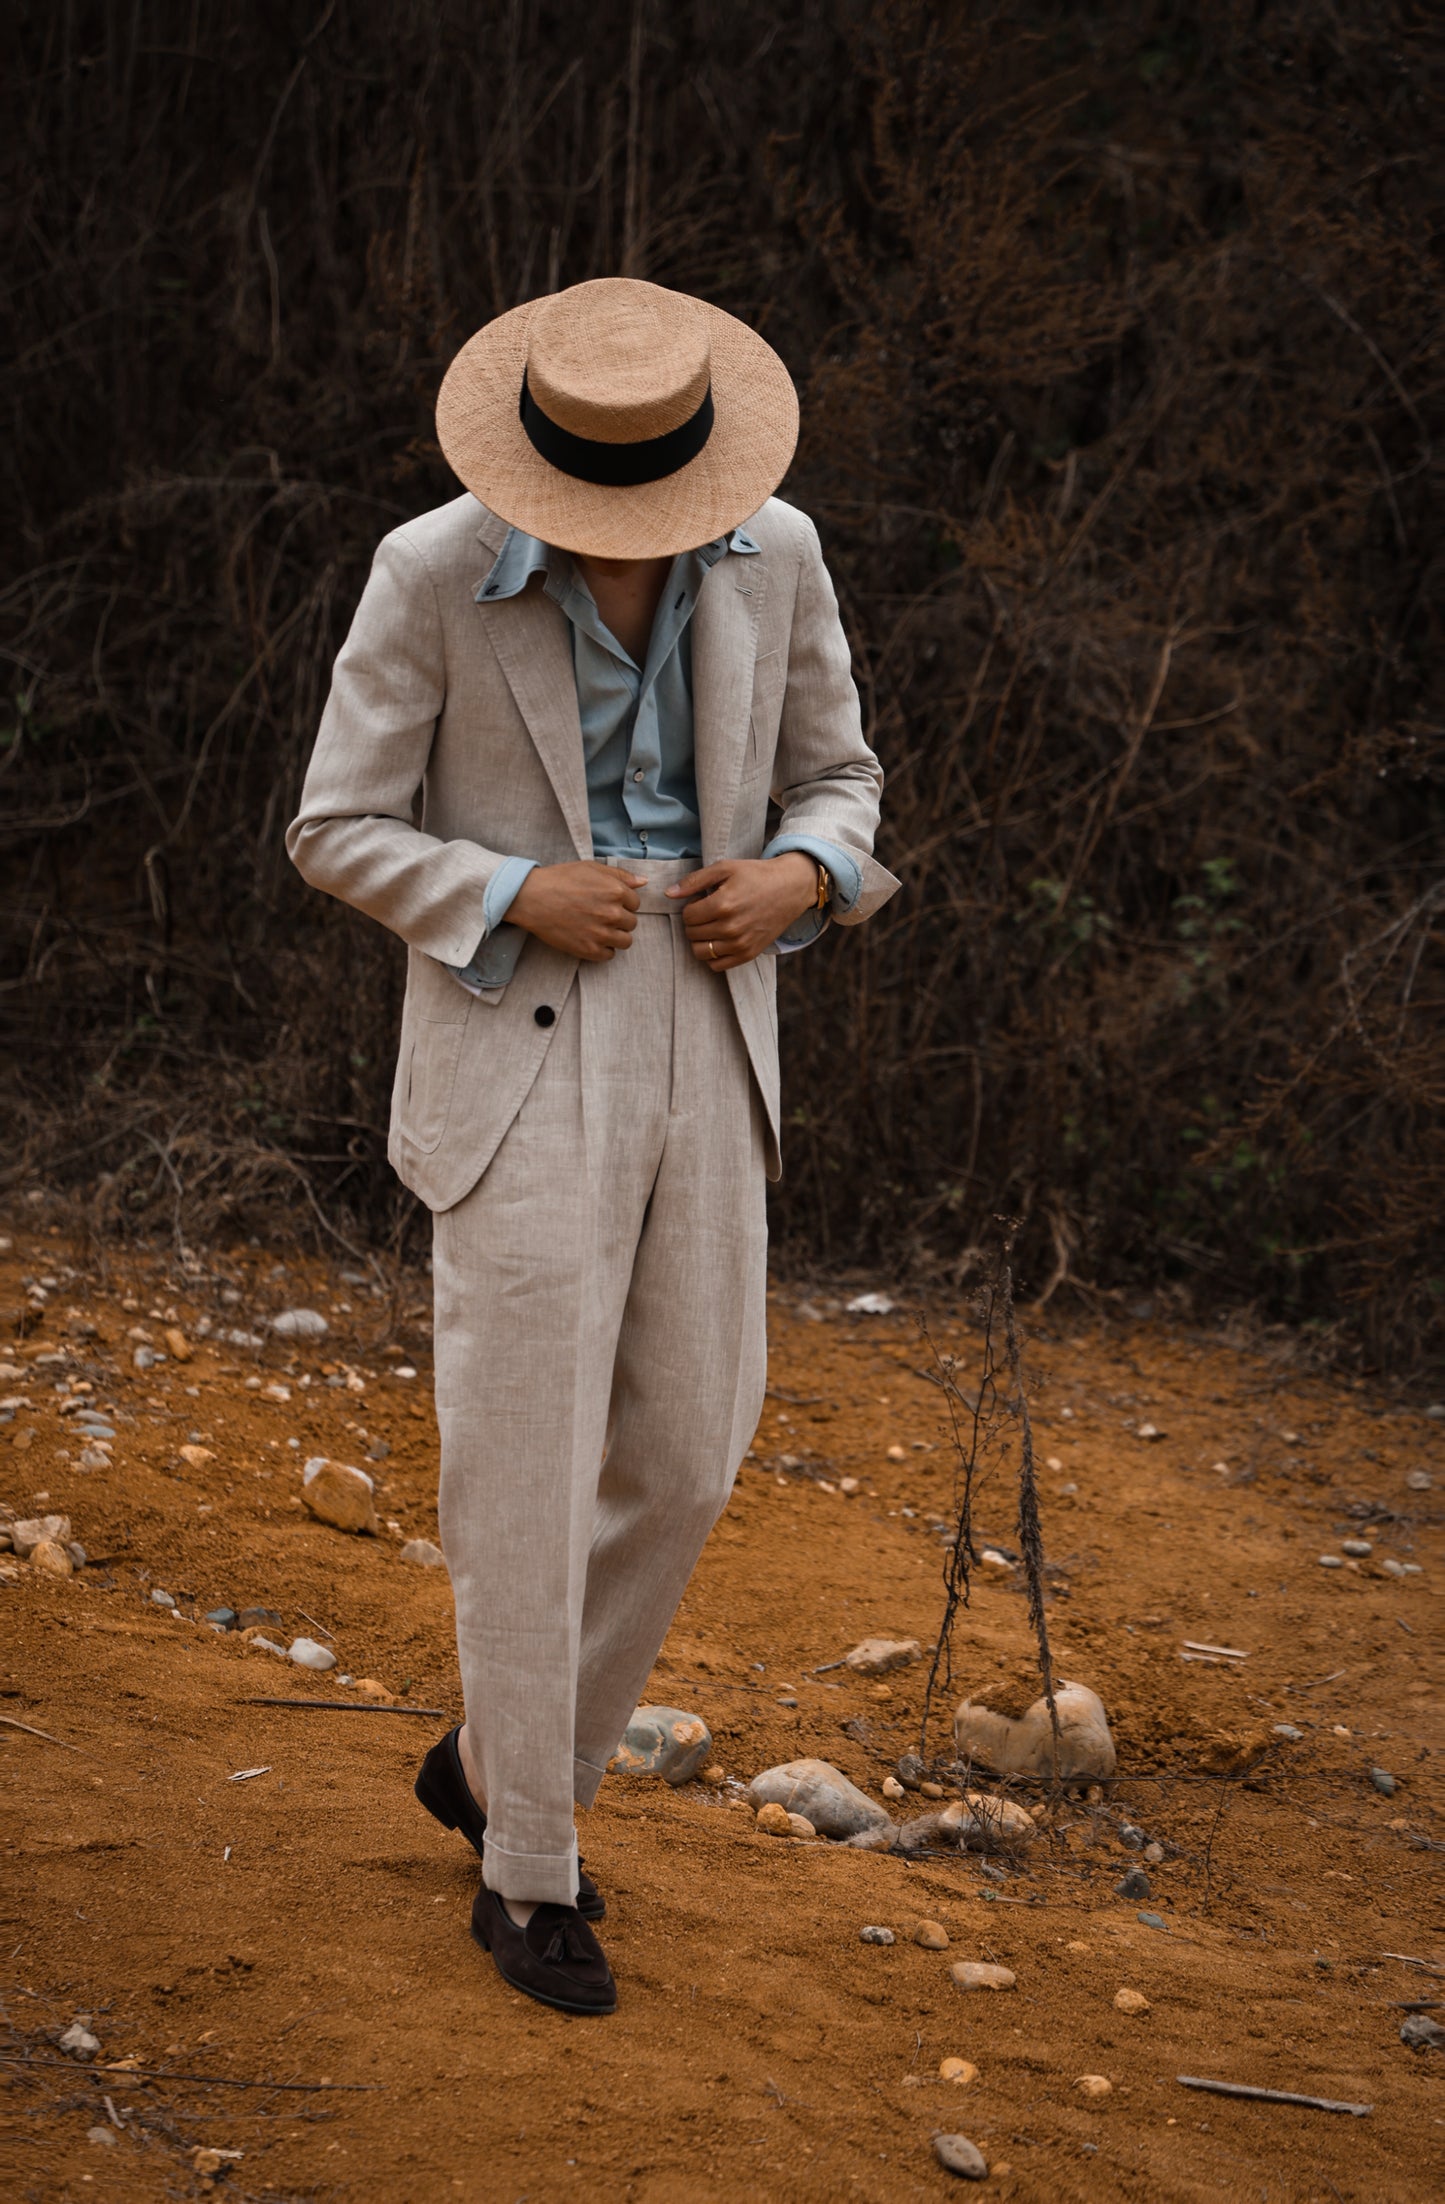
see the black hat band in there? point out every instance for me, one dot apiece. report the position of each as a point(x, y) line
point(615, 466)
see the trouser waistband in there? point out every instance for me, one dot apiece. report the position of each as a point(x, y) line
point(659, 873)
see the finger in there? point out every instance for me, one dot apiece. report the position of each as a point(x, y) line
point(695, 883)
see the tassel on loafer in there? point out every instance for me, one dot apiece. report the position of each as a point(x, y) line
point(442, 1787)
point(556, 1958)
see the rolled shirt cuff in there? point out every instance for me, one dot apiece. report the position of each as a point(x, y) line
point(494, 959)
point(842, 869)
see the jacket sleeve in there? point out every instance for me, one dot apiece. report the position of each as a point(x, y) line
point(355, 836)
point(825, 778)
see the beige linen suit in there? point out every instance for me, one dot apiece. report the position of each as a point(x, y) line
point(593, 1139)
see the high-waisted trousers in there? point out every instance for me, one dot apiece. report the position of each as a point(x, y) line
point(600, 1365)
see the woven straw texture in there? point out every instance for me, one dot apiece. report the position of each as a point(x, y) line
point(619, 360)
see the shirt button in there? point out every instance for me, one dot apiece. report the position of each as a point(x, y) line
point(545, 1014)
point(637, 775)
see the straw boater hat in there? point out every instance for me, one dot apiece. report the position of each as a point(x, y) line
point(619, 419)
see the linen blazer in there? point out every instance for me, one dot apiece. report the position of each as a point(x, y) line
point(451, 740)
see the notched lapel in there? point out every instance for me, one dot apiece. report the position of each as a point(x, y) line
point(724, 648)
point(529, 635)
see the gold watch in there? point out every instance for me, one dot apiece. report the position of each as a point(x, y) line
point(825, 887)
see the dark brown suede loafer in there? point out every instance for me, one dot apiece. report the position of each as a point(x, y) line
point(442, 1787)
point(556, 1958)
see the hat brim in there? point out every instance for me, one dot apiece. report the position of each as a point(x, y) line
point(755, 430)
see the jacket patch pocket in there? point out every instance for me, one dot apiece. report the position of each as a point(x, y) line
point(431, 1076)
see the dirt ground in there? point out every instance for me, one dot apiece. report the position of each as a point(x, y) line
point(306, 1927)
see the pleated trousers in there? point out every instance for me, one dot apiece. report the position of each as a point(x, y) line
point(600, 1365)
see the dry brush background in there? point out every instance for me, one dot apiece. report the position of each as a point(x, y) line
point(1119, 334)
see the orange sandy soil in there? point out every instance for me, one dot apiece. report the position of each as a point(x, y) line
point(760, 2050)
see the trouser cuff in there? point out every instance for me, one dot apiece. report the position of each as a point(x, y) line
point(542, 1877)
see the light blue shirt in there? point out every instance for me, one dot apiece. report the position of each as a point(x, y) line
point(637, 741)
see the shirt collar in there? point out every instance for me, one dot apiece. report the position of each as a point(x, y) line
point(522, 556)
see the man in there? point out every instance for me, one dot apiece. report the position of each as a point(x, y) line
point(553, 734)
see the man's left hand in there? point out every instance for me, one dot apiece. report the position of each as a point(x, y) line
point(737, 909)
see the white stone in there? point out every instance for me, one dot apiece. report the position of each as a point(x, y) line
point(423, 1554)
point(978, 1822)
point(1025, 1745)
point(307, 1653)
point(876, 1935)
point(821, 1792)
point(79, 2041)
point(27, 1534)
point(870, 1304)
point(665, 1741)
point(956, 2154)
point(300, 1324)
point(980, 1974)
point(880, 1656)
point(338, 1494)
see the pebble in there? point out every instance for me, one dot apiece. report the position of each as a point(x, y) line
point(979, 1974)
point(223, 1618)
point(1154, 1853)
point(800, 1826)
point(27, 1534)
point(52, 1559)
point(1359, 1547)
point(79, 2041)
point(1392, 1567)
point(1130, 2001)
point(423, 1554)
point(870, 1935)
point(979, 1822)
point(338, 1494)
point(308, 1653)
point(892, 1788)
point(100, 2135)
point(1422, 2033)
point(300, 1324)
point(773, 1821)
point(663, 1741)
point(195, 1457)
point(255, 1618)
point(1135, 1884)
point(956, 2154)
point(1024, 1745)
point(1094, 2085)
point(162, 1599)
point(961, 2071)
point(180, 1347)
point(1383, 1781)
point(1420, 1480)
point(835, 1807)
point(880, 1656)
point(1436, 1411)
point(1154, 1921)
point(1331, 1561)
point(1150, 1431)
point(874, 1304)
point(93, 1457)
point(146, 1358)
point(1288, 1730)
point(713, 1776)
point(930, 1935)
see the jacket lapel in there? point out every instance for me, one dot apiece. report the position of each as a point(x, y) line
point(529, 635)
point(724, 647)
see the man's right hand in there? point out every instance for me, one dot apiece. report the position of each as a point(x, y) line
point(586, 910)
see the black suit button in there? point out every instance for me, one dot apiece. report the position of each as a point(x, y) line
point(545, 1014)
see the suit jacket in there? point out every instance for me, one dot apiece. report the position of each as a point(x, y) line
point(451, 740)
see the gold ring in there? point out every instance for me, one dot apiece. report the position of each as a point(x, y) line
point(711, 954)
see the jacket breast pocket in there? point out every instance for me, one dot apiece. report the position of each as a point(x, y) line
point(429, 1079)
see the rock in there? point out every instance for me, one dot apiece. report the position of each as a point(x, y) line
point(93, 1457)
point(1390, 1565)
point(79, 2041)
point(979, 1974)
point(1422, 2033)
point(1150, 1431)
point(1154, 1853)
point(367, 1687)
point(146, 1358)
point(300, 1324)
point(931, 1790)
point(77, 1553)
point(1130, 2001)
point(978, 1822)
point(180, 1347)
point(1436, 1411)
point(223, 1618)
point(877, 1304)
point(991, 1731)
point(1135, 1884)
point(423, 1554)
point(873, 1840)
point(337, 1494)
point(960, 2071)
point(663, 1741)
point(773, 1821)
point(880, 1656)
point(871, 1935)
point(892, 1788)
point(259, 1639)
point(195, 1457)
point(307, 1653)
point(1331, 1561)
point(1155, 1921)
point(1359, 1547)
point(207, 2161)
point(835, 1807)
point(956, 2154)
point(897, 1453)
point(1094, 2085)
point(27, 1534)
point(100, 2135)
point(1383, 1781)
point(162, 1599)
point(1233, 1752)
point(800, 1826)
point(1419, 1480)
point(257, 1618)
point(51, 1558)
point(1288, 1730)
point(930, 1935)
